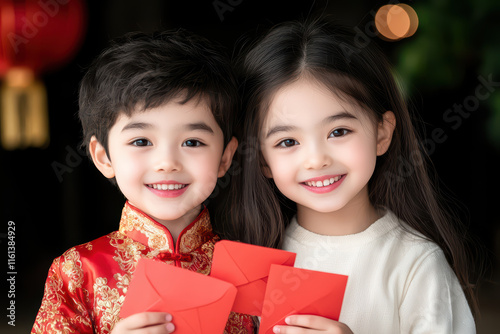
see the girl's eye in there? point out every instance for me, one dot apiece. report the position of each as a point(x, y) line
point(192, 143)
point(288, 143)
point(141, 142)
point(338, 133)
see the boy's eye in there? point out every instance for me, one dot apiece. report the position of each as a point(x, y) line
point(338, 133)
point(192, 143)
point(288, 143)
point(141, 142)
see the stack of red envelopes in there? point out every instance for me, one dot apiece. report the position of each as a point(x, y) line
point(299, 291)
point(198, 304)
point(244, 278)
point(247, 267)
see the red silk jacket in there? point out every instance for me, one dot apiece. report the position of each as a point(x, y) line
point(86, 286)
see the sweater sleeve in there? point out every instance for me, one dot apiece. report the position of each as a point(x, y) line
point(433, 300)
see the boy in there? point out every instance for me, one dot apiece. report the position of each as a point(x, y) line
point(157, 114)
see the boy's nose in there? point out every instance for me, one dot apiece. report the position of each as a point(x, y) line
point(168, 162)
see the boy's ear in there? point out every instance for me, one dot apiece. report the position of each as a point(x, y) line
point(385, 130)
point(227, 157)
point(100, 158)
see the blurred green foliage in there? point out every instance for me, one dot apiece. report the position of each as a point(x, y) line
point(453, 40)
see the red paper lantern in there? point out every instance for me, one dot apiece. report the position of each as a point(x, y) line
point(35, 36)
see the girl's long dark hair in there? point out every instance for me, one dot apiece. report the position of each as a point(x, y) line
point(257, 213)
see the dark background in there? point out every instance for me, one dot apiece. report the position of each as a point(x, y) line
point(440, 66)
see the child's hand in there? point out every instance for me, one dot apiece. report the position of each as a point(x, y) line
point(146, 322)
point(302, 324)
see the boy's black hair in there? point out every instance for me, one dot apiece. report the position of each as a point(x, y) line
point(140, 71)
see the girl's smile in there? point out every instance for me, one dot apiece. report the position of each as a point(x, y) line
point(323, 184)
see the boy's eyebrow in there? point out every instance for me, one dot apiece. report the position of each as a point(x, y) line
point(191, 126)
point(329, 119)
point(137, 125)
point(199, 126)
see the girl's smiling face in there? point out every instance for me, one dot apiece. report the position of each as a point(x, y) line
point(320, 150)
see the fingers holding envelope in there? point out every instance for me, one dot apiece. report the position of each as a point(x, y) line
point(145, 323)
point(309, 324)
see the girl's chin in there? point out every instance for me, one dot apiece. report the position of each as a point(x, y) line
point(323, 209)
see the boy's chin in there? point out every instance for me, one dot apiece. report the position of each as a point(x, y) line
point(177, 214)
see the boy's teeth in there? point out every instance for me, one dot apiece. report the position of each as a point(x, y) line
point(167, 186)
point(323, 183)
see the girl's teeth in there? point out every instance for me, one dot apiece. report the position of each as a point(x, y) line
point(323, 183)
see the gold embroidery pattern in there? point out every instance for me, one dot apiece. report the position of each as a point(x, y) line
point(86, 294)
point(202, 259)
point(78, 318)
point(72, 267)
point(127, 251)
point(239, 324)
point(53, 298)
point(133, 220)
point(122, 282)
point(108, 303)
point(199, 233)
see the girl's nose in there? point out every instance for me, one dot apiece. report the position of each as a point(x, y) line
point(317, 157)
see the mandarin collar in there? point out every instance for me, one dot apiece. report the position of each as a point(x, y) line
point(141, 228)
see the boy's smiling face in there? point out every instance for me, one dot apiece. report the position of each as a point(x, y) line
point(166, 160)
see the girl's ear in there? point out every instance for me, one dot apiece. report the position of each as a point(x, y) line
point(100, 158)
point(385, 130)
point(227, 157)
point(265, 168)
point(267, 171)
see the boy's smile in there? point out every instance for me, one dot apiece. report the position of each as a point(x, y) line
point(168, 188)
point(166, 160)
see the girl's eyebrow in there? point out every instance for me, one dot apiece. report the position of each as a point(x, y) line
point(280, 128)
point(342, 115)
point(329, 119)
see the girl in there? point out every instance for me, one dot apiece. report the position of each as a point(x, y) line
point(329, 152)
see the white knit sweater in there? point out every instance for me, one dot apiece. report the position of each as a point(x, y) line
point(398, 282)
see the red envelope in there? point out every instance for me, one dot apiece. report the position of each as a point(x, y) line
point(198, 303)
point(247, 267)
point(300, 291)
